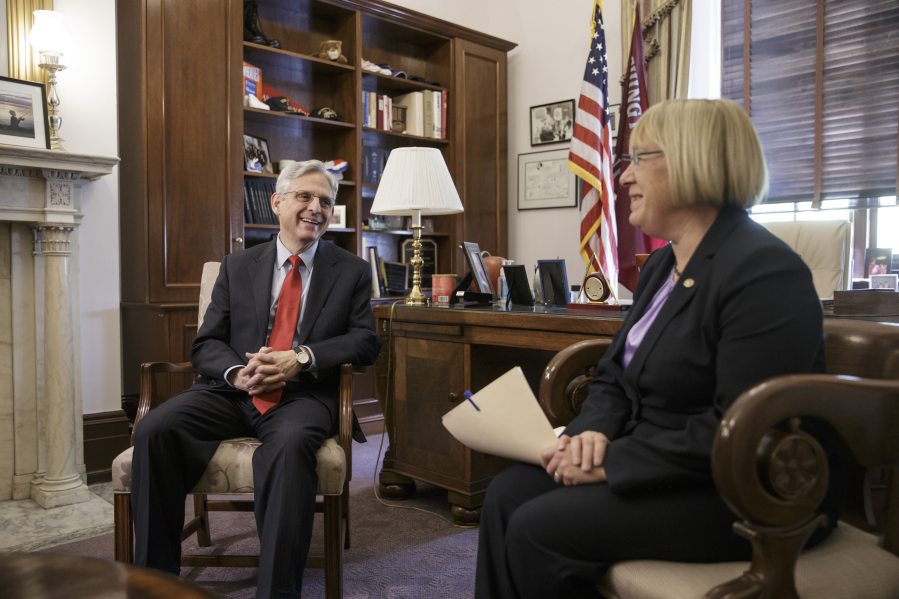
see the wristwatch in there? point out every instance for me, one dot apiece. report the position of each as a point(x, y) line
point(304, 356)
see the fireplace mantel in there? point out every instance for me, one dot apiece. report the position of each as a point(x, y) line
point(41, 453)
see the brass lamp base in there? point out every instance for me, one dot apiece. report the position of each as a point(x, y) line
point(416, 297)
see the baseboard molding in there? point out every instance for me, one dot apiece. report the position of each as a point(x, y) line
point(106, 435)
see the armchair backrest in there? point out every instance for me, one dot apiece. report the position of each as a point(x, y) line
point(825, 246)
point(207, 281)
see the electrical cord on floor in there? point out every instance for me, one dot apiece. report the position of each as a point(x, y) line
point(388, 405)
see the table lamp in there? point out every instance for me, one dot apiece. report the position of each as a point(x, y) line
point(416, 182)
point(48, 38)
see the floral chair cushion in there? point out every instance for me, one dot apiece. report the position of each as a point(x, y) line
point(231, 468)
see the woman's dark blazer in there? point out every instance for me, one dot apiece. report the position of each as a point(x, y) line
point(744, 310)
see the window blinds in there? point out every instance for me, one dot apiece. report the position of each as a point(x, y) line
point(822, 80)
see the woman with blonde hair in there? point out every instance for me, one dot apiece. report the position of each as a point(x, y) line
point(722, 307)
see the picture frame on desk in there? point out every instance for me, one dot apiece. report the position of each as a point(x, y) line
point(552, 123)
point(23, 114)
point(545, 181)
point(475, 261)
point(256, 156)
point(885, 281)
point(878, 261)
point(553, 277)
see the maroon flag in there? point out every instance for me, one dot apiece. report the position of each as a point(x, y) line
point(634, 102)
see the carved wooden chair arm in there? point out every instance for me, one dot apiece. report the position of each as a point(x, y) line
point(774, 475)
point(563, 386)
point(149, 399)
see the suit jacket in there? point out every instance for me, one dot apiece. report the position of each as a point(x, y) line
point(337, 324)
point(744, 310)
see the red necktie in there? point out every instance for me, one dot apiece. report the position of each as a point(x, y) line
point(285, 326)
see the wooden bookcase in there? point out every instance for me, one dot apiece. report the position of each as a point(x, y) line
point(182, 121)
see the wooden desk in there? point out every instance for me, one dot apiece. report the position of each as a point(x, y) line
point(431, 356)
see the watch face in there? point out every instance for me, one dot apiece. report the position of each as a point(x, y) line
point(302, 356)
point(595, 288)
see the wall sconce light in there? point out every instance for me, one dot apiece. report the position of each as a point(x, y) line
point(48, 38)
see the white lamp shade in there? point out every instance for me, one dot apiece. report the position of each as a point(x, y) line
point(416, 182)
point(48, 36)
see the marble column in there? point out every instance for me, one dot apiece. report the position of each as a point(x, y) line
point(61, 484)
point(41, 453)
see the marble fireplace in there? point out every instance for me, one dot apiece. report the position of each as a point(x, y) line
point(41, 445)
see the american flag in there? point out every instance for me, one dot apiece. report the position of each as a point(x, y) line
point(591, 159)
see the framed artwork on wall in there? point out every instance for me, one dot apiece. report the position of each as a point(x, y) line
point(545, 181)
point(552, 123)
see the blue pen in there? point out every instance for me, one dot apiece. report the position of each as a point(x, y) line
point(467, 395)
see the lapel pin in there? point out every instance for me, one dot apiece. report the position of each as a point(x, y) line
point(689, 283)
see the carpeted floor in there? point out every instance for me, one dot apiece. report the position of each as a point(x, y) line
point(395, 554)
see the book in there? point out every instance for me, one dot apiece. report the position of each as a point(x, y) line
point(377, 280)
point(252, 80)
point(427, 113)
point(432, 114)
point(414, 104)
point(443, 125)
point(504, 419)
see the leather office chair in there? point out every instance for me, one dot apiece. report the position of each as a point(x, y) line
point(825, 246)
point(230, 472)
point(773, 475)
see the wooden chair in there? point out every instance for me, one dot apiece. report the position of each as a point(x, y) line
point(230, 472)
point(759, 439)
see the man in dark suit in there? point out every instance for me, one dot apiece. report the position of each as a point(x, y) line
point(259, 375)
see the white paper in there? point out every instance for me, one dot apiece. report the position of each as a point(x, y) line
point(510, 423)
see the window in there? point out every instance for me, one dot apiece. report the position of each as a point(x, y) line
point(821, 82)
point(820, 79)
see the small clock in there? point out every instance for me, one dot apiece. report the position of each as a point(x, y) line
point(596, 288)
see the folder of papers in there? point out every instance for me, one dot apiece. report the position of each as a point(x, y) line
point(503, 419)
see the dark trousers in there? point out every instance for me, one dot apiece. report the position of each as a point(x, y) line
point(173, 445)
point(540, 539)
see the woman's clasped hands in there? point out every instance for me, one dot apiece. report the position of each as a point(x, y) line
point(576, 460)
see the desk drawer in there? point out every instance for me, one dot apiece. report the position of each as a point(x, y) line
point(427, 329)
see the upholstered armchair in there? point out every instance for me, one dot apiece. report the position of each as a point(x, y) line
point(825, 246)
point(773, 475)
point(230, 473)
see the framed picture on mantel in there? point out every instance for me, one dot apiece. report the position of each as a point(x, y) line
point(23, 114)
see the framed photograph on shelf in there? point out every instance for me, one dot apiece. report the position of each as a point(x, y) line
point(544, 181)
point(338, 218)
point(256, 156)
point(23, 114)
point(878, 261)
point(476, 262)
point(552, 123)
